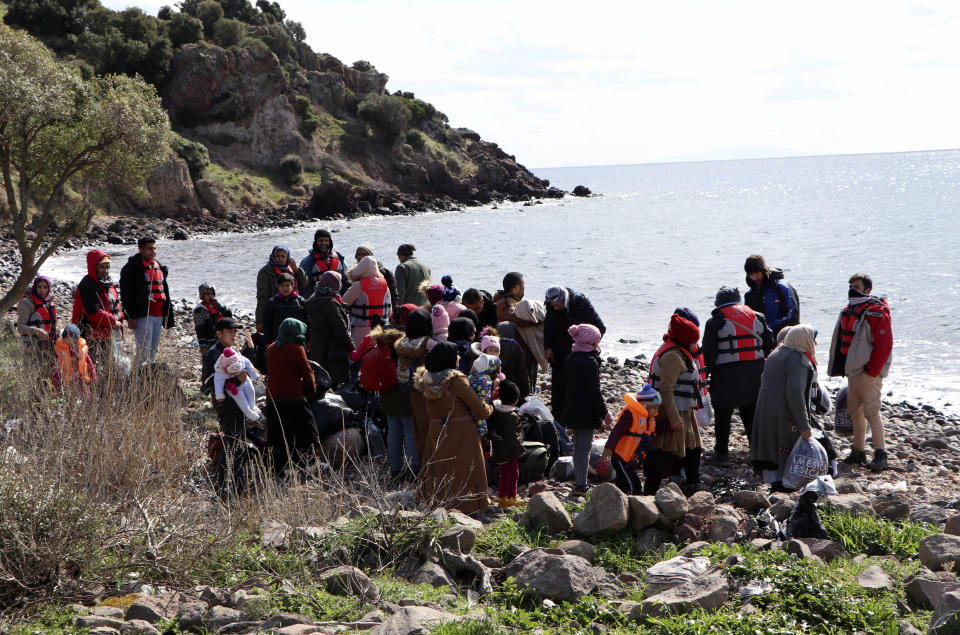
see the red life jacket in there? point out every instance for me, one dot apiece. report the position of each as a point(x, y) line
point(740, 338)
point(698, 357)
point(109, 301)
point(372, 301)
point(688, 391)
point(848, 323)
point(154, 278)
point(289, 269)
point(322, 264)
point(47, 315)
point(216, 311)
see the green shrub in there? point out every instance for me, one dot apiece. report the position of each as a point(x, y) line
point(227, 32)
point(309, 121)
point(386, 114)
point(874, 536)
point(184, 29)
point(291, 169)
point(416, 140)
point(364, 66)
point(193, 152)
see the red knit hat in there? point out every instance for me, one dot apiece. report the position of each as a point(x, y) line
point(683, 331)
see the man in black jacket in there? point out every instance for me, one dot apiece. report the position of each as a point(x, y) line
point(146, 299)
point(481, 303)
point(565, 307)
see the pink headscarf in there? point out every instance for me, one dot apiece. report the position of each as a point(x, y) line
point(586, 337)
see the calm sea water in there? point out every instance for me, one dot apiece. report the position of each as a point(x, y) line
point(666, 235)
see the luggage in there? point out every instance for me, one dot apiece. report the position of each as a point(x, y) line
point(533, 464)
point(843, 424)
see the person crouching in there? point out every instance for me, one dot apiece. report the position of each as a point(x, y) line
point(74, 369)
point(632, 437)
point(507, 434)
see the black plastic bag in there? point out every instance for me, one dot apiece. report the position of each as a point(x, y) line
point(805, 521)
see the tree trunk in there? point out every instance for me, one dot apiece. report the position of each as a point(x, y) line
point(12, 297)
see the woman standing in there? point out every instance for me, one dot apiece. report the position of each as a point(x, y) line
point(267, 279)
point(37, 322)
point(286, 304)
point(367, 296)
point(330, 341)
point(410, 353)
point(675, 374)
point(291, 429)
point(453, 471)
point(585, 409)
point(784, 407)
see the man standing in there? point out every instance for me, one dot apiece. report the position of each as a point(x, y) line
point(146, 297)
point(565, 307)
point(861, 350)
point(736, 340)
point(96, 307)
point(770, 295)
point(320, 259)
point(506, 300)
point(481, 303)
point(410, 273)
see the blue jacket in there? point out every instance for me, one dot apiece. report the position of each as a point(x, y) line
point(307, 265)
point(773, 298)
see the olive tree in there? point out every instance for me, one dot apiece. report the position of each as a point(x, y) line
point(62, 139)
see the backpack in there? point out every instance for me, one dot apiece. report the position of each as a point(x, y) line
point(406, 369)
point(378, 369)
point(533, 464)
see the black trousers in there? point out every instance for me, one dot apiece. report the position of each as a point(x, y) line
point(721, 425)
point(291, 433)
point(558, 386)
point(627, 478)
point(230, 474)
point(657, 466)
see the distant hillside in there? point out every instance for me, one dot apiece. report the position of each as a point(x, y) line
point(261, 119)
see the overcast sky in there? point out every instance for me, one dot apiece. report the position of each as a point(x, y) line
point(564, 83)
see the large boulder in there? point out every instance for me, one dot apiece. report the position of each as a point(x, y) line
point(672, 503)
point(643, 512)
point(708, 592)
point(546, 510)
point(564, 578)
point(433, 574)
point(925, 592)
point(156, 608)
point(855, 504)
point(606, 511)
point(459, 538)
point(892, 506)
point(750, 500)
point(347, 580)
point(939, 549)
point(413, 619)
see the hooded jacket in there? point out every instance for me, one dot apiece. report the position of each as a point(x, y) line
point(267, 281)
point(579, 310)
point(96, 304)
point(330, 341)
point(136, 295)
point(410, 274)
point(307, 265)
point(774, 298)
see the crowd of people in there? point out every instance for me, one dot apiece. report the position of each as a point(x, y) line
point(451, 368)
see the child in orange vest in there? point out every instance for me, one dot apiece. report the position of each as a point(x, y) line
point(632, 437)
point(74, 366)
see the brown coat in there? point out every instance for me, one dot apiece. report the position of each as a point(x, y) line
point(453, 472)
point(672, 364)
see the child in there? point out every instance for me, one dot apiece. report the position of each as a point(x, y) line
point(483, 378)
point(632, 438)
point(74, 367)
point(488, 344)
point(508, 446)
point(234, 372)
point(441, 323)
point(450, 298)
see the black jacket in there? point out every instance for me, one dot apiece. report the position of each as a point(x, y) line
point(206, 376)
point(578, 311)
point(280, 308)
point(513, 364)
point(583, 406)
point(736, 384)
point(135, 295)
point(488, 312)
point(330, 341)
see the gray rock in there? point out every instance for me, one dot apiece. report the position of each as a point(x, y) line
point(873, 577)
point(107, 611)
point(190, 615)
point(220, 616)
point(650, 539)
point(855, 504)
point(433, 574)
point(103, 630)
point(274, 534)
point(97, 621)
point(847, 486)
point(709, 592)
point(411, 620)
point(926, 593)
point(283, 620)
point(797, 548)
point(643, 511)
point(939, 549)
point(693, 548)
point(465, 567)
point(723, 529)
point(949, 603)
point(240, 627)
point(155, 608)
point(928, 514)
point(578, 548)
point(827, 550)
point(750, 500)
point(347, 580)
point(546, 510)
point(606, 511)
point(459, 538)
point(672, 503)
point(702, 503)
point(952, 526)
point(892, 506)
point(138, 627)
point(563, 578)
point(782, 509)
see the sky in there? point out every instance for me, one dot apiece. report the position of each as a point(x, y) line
point(564, 83)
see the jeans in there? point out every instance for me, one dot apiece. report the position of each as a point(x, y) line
point(400, 444)
point(582, 440)
point(147, 336)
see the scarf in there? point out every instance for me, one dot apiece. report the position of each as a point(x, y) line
point(291, 330)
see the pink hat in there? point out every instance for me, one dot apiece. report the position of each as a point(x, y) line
point(486, 342)
point(586, 337)
point(441, 319)
point(434, 293)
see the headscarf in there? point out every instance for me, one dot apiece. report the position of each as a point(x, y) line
point(71, 330)
point(330, 280)
point(291, 330)
point(461, 329)
point(441, 357)
point(802, 337)
point(33, 288)
point(273, 253)
point(586, 337)
point(682, 331)
point(367, 247)
point(419, 324)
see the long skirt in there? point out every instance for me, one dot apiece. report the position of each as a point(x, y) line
point(291, 432)
point(453, 471)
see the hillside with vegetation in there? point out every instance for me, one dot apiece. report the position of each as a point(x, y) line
point(259, 119)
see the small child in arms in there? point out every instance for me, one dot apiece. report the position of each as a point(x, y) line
point(233, 372)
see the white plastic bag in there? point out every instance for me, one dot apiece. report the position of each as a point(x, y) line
point(705, 413)
point(807, 461)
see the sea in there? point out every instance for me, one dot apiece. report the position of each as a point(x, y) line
point(658, 236)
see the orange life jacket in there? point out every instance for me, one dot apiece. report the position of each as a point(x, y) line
point(640, 426)
point(47, 314)
point(288, 269)
point(322, 264)
point(70, 366)
point(372, 301)
point(848, 324)
point(740, 339)
point(154, 278)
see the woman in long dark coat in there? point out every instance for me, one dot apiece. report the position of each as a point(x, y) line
point(291, 429)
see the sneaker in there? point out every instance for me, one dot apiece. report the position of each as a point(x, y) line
point(719, 458)
point(856, 457)
point(879, 462)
